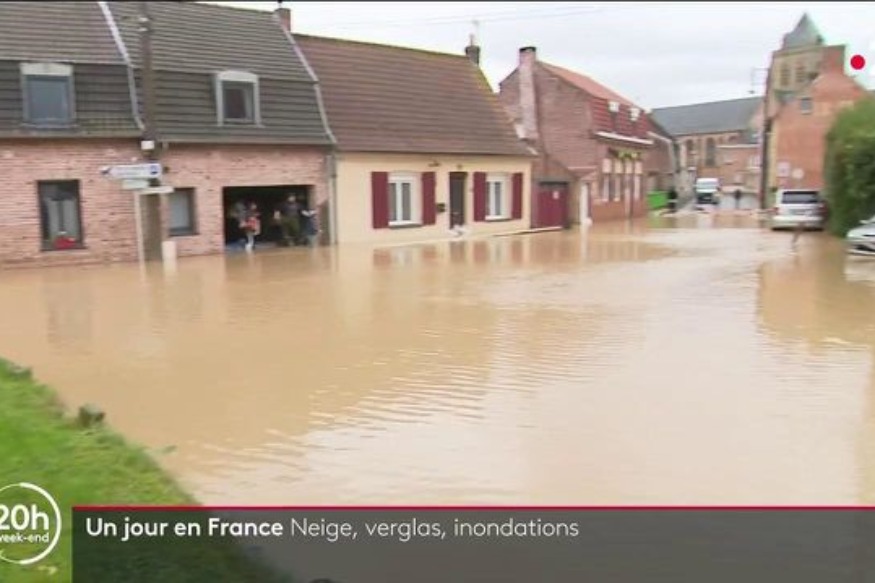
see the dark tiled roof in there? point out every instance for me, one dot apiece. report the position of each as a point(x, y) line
point(804, 35)
point(600, 96)
point(707, 118)
point(203, 38)
point(383, 98)
point(69, 32)
point(193, 41)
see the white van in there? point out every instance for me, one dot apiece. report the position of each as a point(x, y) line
point(707, 190)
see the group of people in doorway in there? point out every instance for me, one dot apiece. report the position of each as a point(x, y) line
point(296, 223)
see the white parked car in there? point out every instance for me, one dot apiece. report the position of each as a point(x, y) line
point(798, 208)
point(861, 240)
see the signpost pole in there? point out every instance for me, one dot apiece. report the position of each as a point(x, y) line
point(138, 217)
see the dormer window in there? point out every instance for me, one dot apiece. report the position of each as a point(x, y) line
point(47, 94)
point(237, 98)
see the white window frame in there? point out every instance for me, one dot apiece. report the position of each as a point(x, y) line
point(243, 77)
point(396, 180)
point(803, 110)
point(57, 70)
point(502, 196)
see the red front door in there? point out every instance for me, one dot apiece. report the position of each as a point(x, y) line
point(552, 205)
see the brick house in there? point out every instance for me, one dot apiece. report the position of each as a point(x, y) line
point(234, 119)
point(718, 139)
point(423, 145)
point(594, 145)
point(806, 88)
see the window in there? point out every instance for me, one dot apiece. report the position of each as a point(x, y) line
point(182, 212)
point(237, 98)
point(710, 153)
point(497, 206)
point(48, 94)
point(403, 202)
point(60, 214)
point(800, 74)
point(784, 80)
point(606, 187)
point(805, 105)
point(753, 162)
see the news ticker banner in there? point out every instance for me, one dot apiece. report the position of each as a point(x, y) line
point(441, 545)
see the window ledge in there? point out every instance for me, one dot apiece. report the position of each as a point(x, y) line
point(404, 225)
point(498, 219)
point(51, 248)
point(35, 125)
point(184, 234)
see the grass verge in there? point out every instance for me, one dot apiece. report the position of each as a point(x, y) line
point(39, 444)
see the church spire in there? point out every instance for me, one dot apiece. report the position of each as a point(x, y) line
point(804, 35)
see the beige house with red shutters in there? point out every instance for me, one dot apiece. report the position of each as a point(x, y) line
point(418, 160)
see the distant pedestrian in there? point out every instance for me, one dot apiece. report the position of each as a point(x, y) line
point(672, 200)
point(797, 233)
point(737, 195)
point(252, 225)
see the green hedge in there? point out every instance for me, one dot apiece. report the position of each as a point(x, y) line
point(657, 199)
point(849, 167)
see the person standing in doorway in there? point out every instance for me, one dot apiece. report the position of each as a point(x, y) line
point(290, 226)
point(737, 195)
point(309, 225)
point(252, 226)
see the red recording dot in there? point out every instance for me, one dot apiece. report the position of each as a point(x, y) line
point(858, 62)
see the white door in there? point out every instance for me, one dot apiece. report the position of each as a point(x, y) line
point(584, 204)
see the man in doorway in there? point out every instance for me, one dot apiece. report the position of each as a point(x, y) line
point(737, 195)
point(289, 219)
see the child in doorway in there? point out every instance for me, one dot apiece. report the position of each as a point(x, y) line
point(252, 226)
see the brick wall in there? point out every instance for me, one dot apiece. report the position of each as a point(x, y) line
point(208, 169)
point(107, 211)
point(799, 138)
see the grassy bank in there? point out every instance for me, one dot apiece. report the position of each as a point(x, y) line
point(39, 444)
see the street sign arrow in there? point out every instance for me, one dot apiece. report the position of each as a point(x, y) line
point(133, 171)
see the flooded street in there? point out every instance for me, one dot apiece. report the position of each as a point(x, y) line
point(696, 362)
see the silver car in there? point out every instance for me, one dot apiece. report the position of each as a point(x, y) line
point(861, 241)
point(796, 208)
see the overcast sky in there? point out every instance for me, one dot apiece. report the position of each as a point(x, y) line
point(656, 54)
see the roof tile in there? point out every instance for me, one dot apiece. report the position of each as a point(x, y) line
point(600, 96)
point(382, 98)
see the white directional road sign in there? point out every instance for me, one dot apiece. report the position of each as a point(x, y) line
point(133, 171)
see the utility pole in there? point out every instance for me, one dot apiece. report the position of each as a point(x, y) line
point(151, 243)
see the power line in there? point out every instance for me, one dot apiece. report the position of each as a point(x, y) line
point(493, 17)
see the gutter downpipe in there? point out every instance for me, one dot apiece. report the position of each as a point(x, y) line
point(120, 45)
point(331, 156)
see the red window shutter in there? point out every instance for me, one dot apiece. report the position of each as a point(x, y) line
point(380, 199)
point(479, 196)
point(516, 205)
point(429, 213)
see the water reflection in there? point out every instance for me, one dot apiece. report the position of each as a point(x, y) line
point(621, 364)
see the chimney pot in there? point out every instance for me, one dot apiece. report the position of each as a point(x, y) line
point(285, 17)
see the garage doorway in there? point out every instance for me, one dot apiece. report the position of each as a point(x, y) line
point(268, 200)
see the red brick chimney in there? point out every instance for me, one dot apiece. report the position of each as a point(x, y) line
point(833, 59)
point(528, 102)
point(285, 17)
point(472, 51)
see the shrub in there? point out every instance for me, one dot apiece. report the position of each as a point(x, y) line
point(849, 167)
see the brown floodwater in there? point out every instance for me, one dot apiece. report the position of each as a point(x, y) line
point(684, 361)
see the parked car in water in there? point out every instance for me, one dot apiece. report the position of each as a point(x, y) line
point(861, 240)
point(707, 190)
point(796, 208)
